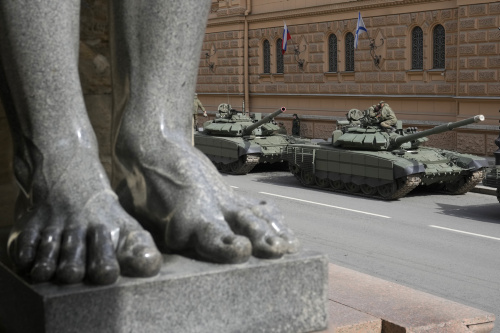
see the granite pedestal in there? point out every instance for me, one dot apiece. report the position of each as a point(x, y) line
point(285, 295)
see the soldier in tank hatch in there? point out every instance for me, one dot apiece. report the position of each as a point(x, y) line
point(384, 115)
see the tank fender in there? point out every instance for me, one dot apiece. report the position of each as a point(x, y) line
point(221, 159)
point(471, 163)
point(250, 149)
point(478, 164)
point(408, 170)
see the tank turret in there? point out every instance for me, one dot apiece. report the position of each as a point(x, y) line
point(248, 130)
point(238, 124)
point(360, 135)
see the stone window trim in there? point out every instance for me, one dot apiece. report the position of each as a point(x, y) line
point(347, 74)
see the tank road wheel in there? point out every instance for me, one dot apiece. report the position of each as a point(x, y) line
point(465, 184)
point(218, 165)
point(235, 167)
point(322, 182)
point(399, 187)
point(387, 190)
point(224, 168)
point(351, 187)
point(307, 178)
point(336, 184)
point(453, 188)
point(368, 190)
point(243, 165)
point(498, 194)
point(294, 168)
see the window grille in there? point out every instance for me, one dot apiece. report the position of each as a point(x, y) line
point(279, 57)
point(438, 47)
point(267, 57)
point(417, 48)
point(349, 52)
point(332, 53)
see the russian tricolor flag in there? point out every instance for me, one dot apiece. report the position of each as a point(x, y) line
point(286, 37)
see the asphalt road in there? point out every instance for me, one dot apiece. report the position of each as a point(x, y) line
point(444, 245)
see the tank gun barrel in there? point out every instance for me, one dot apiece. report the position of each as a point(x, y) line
point(248, 130)
point(396, 142)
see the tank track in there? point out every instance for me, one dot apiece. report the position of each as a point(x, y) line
point(469, 183)
point(401, 186)
point(240, 167)
point(409, 184)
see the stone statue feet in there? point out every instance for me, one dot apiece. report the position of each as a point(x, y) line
point(177, 193)
point(75, 230)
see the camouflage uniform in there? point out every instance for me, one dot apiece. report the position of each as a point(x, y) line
point(197, 105)
point(384, 114)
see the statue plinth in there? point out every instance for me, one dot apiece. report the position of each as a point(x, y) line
point(284, 295)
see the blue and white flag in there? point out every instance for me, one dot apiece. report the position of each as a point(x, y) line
point(360, 27)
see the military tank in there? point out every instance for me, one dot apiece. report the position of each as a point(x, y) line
point(364, 159)
point(236, 143)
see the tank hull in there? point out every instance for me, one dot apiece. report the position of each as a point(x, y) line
point(238, 155)
point(383, 174)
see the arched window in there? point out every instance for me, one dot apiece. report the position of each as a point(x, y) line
point(349, 52)
point(279, 57)
point(438, 42)
point(417, 48)
point(332, 53)
point(267, 57)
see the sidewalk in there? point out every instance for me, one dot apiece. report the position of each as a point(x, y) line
point(362, 303)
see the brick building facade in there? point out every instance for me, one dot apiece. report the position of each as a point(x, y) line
point(241, 63)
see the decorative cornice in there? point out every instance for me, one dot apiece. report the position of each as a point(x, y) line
point(315, 10)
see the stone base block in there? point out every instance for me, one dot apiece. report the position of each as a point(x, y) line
point(285, 295)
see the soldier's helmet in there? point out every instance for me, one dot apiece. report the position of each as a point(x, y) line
point(224, 109)
point(355, 114)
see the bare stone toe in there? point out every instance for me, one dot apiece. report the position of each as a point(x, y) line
point(102, 265)
point(222, 246)
point(70, 273)
point(22, 249)
point(138, 255)
point(269, 247)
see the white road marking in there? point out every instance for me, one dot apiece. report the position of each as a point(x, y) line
point(234, 186)
point(321, 204)
point(464, 232)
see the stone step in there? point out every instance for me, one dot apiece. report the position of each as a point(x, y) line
point(362, 303)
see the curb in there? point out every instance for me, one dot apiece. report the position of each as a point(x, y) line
point(484, 190)
point(362, 303)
